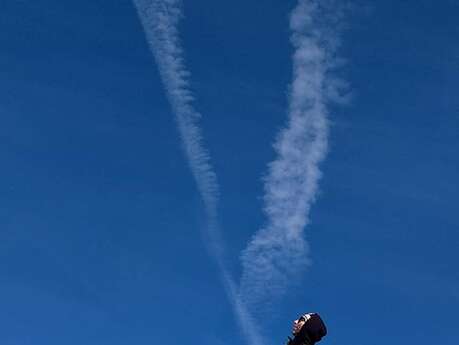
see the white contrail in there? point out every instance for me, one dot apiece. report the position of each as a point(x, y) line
point(160, 19)
point(279, 251)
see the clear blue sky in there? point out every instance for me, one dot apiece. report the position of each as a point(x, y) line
point(100, 219)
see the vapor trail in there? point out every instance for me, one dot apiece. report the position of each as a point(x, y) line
point(160, 19)
point(279, 251)
point(160, 22)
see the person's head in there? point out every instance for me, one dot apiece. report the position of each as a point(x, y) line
point(309, 328)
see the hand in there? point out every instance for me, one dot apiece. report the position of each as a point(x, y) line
point(297, 325)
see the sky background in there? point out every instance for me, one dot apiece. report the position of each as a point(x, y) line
point(100, 219)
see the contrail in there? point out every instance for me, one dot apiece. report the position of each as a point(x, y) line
point(160, 22)
point(278, 252)
point(160, 19)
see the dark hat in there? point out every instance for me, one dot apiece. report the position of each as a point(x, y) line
point(313, 330)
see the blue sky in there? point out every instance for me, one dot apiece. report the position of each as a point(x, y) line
point(101, 238)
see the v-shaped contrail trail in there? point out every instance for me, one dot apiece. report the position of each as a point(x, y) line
point(278, 251)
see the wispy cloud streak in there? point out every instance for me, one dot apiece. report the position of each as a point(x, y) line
point(160, 19)
point(278, 252)
point(160, 22)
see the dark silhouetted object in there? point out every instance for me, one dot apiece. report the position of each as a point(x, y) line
point(312, 331)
